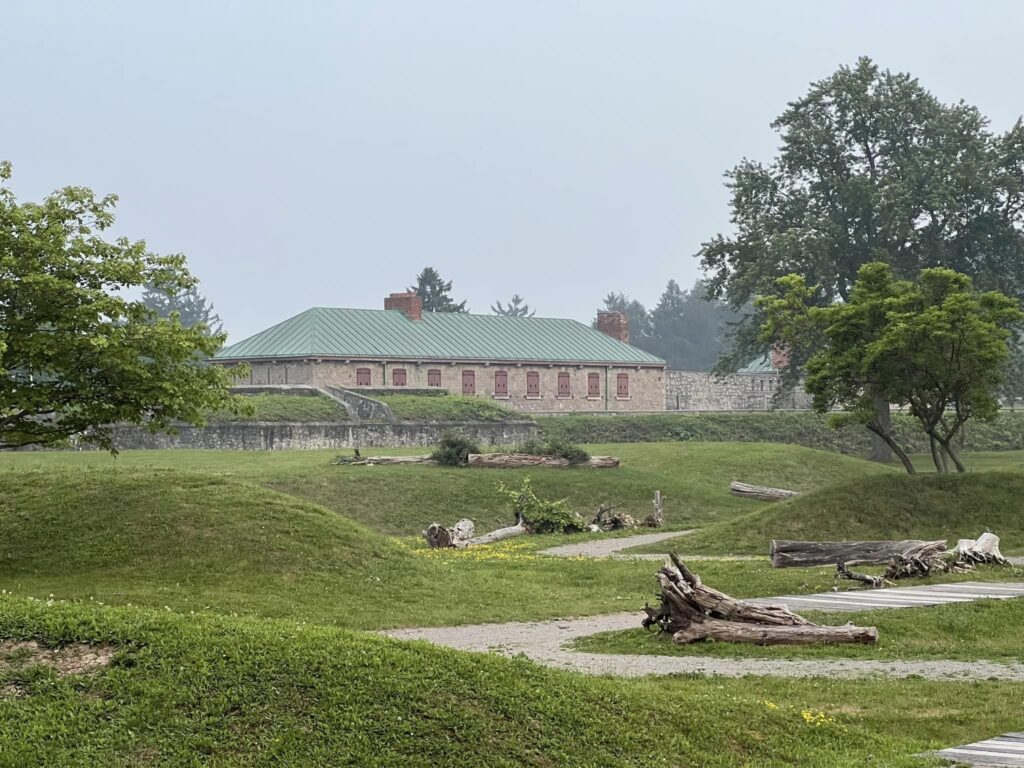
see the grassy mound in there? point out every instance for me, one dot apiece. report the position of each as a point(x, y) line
point(224, 691)
point(445, 408)
point(886, 506)
point(274, 407)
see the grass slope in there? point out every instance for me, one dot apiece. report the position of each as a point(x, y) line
point(887, 506)
point(223, 691)
point(445, 408)
point(275, 407)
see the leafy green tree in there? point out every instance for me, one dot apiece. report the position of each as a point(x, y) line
point(516, 307)
point(639, 317)
point(936, 346)
point(76, 355)
point(435, 292)
point(687, 329)
point(189, 304)
point(872, 168)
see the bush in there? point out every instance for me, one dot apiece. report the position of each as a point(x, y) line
point(541, 515)
point(555, 446)
point(454, 450)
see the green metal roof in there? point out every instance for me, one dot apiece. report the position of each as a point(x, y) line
point(381, 333)
point(759, 365)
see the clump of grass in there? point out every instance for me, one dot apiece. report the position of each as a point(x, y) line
point(555, 446)
point(454, 450)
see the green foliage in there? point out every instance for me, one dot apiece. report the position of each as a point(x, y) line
point(689, 329)
point(443, 407)
point(639, 317)
point(516, 307)
point(555, 446)
point(854, 183)
point(454, 450)
point(541, 515)
point(436, 292)
point(76, 355)
point(190, 306)
point(274, 407)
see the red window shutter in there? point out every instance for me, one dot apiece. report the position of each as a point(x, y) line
point(501, 383)
point(433, 378)
point(594, 385)
point(533, 384)
point(563, 385)
point(468, 383)
point(622, 389)
point(398, 377)
point(362, 377)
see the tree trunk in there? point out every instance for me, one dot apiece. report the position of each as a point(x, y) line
point(881, 449)
point(887, 437)
point(984, 550)
point(954, 455)
point(705, 628)
point(516, 460)
point(938, 455)
point(762, 492)
point(461, 535)
point(796, 554)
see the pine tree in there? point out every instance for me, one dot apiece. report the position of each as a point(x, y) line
point(191, 306)
point(517, 307)
point(435, 292)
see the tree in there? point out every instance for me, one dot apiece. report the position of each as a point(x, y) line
point(190, 305)
point(687, 329)
point(516, 307)
point(856, 182)
point(639, 317)
point(76, 355)
point(435, 292)
point(936, 346)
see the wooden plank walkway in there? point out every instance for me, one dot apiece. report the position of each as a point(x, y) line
point(899, 597)
point(1005, 750)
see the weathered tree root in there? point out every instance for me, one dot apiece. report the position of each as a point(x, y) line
point(691, 611)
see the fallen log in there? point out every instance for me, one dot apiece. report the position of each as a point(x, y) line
point(875, 582)
point(517, 460)
point(925, 559)
point(369, 461)
point(691, 611)
point(796, 554)
point(461, 535)
point(762, 492)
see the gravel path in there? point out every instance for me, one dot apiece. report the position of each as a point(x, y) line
point(612, 547)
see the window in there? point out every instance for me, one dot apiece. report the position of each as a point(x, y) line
point(398, 377)
point(434, 377)
point(761, 382)
point(468, 383)
point(622, 385)
point(593, 385)
point(563, 384)
point(501, 383)
point(362, 377)
point(532, 384)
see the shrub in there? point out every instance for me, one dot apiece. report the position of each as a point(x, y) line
point(541, 515)
point(555, 446)
point(454, 450)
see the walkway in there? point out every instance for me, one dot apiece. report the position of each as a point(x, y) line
point(612, 547)
point(543, 641)
point(1005, 750)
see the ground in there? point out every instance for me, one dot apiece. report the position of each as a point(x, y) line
point(230, 583)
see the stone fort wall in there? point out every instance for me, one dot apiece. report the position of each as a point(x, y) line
point(702, 391)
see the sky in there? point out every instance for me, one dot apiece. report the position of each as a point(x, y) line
point(314, 153)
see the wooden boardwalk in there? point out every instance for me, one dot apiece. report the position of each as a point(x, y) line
point(1005, 750)
point(900, 597)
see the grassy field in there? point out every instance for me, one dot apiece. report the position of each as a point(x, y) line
point(275, 407)
point(445, 408)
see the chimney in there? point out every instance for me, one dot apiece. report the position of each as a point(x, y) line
point(780, 357)
point(614, 324)
point(409, 304)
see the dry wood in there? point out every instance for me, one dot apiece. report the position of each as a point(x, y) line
point(691, 611)
point(762, 492)
point(925, 559)
point(657, 517)
point(790, 554)
point(984, 550)
point(875, 582)
point(607, 519)
point(461, 535)
point(516, 460)
point(373, 460)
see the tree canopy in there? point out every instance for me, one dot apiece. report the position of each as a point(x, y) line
point(436, 292)
point(189, 304)
point(76, 355)
point(936, 346)
point(639, 317)
point(516, 307)
point(687, 329)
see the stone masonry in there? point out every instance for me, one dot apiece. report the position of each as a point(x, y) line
point(701, 391)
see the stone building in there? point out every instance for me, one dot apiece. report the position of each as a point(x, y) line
point(752, 388)
point(526, 363)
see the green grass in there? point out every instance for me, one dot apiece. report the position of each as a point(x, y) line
point(222, 691)
point(887, 506)
point(984, 630)
point(275, 407)
point(446, 408)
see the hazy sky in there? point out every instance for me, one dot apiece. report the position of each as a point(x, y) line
point(321, 153)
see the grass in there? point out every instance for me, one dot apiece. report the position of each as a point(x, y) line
point(224, 691)
point(446, 408)
point(275, 407)
point(983, 630)
point(884, 506)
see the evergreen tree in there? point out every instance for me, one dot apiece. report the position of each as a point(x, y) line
point(639, 318)
point(517, 307)
point(191, 306)
point(688, 329)
point(435, 292)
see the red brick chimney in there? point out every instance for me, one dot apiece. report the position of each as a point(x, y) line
point(407, 303)
point(780, 357)
point(614, 324)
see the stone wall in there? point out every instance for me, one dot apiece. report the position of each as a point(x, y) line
point(700, 391)
point(646, 385)
point(267, 436)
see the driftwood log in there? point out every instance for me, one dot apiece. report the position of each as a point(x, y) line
point(370, 461)
point(985, 549)
point(439, 537)
point(762, 492)
point(691, 611)
point(925, 559)
point(657, 517)
point(608, 519)
point(516, 460)
point(795, 554)
point(875, 582)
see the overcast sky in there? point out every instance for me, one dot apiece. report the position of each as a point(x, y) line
point(321, 153)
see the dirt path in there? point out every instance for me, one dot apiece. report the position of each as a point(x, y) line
point(543, 642)
point(612, 547)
